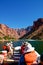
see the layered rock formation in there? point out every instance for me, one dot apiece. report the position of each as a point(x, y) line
point(6, 31)
point(31, 32)
point(36, 31)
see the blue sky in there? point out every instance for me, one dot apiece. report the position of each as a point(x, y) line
point(20, 13)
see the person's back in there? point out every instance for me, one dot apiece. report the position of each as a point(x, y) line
point(28, 59)
point(30, 55)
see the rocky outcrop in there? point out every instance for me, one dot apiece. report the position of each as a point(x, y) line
point(6, 31)
point(36, 31)
point(31, 32)
point(38, 34)
point(21, 32)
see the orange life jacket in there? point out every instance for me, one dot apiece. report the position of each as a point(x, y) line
point(30, 57)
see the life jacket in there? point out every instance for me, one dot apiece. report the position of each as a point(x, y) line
point(22, 49)
point(30, 57)
point(4, 47)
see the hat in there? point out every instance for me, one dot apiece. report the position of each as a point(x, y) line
point(25, 43)
point(28, 48)
point(9, 44)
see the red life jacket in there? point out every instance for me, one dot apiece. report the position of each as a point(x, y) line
point(22, 49)
point(4, 47)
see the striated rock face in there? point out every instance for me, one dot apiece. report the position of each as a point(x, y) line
point(12, 33)
point(31, 32)
point(6, 31)
point(21, 32)
point(36, 31)
point(37, 24)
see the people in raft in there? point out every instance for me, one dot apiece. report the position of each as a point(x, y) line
point(6, 53)
point(9, 48)
point(29, 55)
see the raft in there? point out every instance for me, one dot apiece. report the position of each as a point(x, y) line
point(15, 58)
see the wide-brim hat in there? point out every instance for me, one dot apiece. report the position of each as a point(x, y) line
point(25, 43)
point(28, 48)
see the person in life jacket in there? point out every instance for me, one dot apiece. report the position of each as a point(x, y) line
point(23, 47)
point(4, 47)
point(10, 49)
point(30, 55)
point(41, 60)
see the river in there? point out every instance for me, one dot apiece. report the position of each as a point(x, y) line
point(37, 44)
